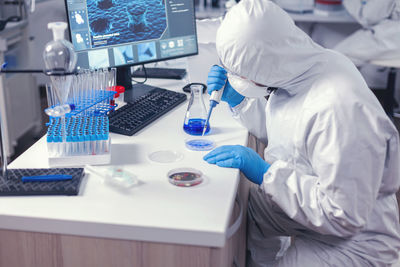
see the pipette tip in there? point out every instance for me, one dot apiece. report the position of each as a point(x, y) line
point(204, 130)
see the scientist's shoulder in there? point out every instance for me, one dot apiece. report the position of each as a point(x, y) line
point(340, 89)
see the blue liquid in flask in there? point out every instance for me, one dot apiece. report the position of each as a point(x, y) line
point(196, 126)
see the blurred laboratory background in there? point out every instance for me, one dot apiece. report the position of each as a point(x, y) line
point(366, 35)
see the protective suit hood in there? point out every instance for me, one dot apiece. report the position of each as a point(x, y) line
point(282, 56)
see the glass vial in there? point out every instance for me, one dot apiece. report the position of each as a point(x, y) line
point(196, 113)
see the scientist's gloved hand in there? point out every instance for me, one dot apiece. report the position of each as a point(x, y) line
point(216, 81)
point(241, 157)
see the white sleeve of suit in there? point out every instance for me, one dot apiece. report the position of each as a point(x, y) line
point(251, 114)
point(348, 164)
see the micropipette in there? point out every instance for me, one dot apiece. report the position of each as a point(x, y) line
point(214, 100)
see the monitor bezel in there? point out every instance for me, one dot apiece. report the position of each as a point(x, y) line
point(143, 62)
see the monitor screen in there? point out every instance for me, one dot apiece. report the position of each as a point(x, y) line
point(114, 33)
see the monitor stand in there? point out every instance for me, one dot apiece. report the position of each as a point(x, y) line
point(124, 77)
point(132, 92)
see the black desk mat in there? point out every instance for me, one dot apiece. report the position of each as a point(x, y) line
point(13, 185)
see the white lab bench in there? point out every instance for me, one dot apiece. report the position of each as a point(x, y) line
point(153, 224)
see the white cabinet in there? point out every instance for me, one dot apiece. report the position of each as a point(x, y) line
point(19, 95)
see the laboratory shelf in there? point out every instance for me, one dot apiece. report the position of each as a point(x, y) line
point(209, 12)
point(322, 17)
point(315, 16)
point(19, 101)
point(12, 26)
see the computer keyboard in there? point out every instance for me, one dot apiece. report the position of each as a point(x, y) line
point(135, 115)
point(162, 73)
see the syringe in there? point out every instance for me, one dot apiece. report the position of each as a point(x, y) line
point(214, 100)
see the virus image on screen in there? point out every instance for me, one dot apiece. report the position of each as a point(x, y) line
point(123, 55)
point(147, 51)
point(125, 21)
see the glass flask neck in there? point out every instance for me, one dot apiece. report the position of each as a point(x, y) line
point(196, 99)
point(197, 94)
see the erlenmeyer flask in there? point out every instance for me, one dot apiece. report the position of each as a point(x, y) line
point(59, 55)
point(196, 113)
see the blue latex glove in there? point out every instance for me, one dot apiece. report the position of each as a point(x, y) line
point(241, 157)
point(216, 81)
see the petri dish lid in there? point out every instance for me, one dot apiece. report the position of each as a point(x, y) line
point(185, 177)
point(199, 144)
point(165, 156)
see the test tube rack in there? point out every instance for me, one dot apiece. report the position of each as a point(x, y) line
point(86, 137)
point(81, 136)
point(99, 106)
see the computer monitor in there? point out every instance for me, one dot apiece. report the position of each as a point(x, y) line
point(123, 33)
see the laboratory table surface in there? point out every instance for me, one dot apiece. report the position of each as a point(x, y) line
point(155, 210)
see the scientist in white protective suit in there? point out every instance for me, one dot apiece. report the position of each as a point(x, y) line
point(331, 167)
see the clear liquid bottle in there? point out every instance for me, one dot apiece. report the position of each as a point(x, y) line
point(196, 113)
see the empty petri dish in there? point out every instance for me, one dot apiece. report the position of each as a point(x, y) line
point(117, 176)
point(165, 156)
point(200, 144)
point(185, 177)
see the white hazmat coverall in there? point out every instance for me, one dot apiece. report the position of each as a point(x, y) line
point(379, 39)
point(334, 153)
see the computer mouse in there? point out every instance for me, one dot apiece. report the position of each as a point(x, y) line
point(186, 88)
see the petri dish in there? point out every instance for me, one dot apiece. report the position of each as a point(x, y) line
point(199, 144)
point(165, 156)
point(120, 177)
point(185, 177)
point(117, 176)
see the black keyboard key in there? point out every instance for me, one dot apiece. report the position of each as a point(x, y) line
point(135, 115)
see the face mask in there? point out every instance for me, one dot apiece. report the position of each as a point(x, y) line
point(246, 87)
